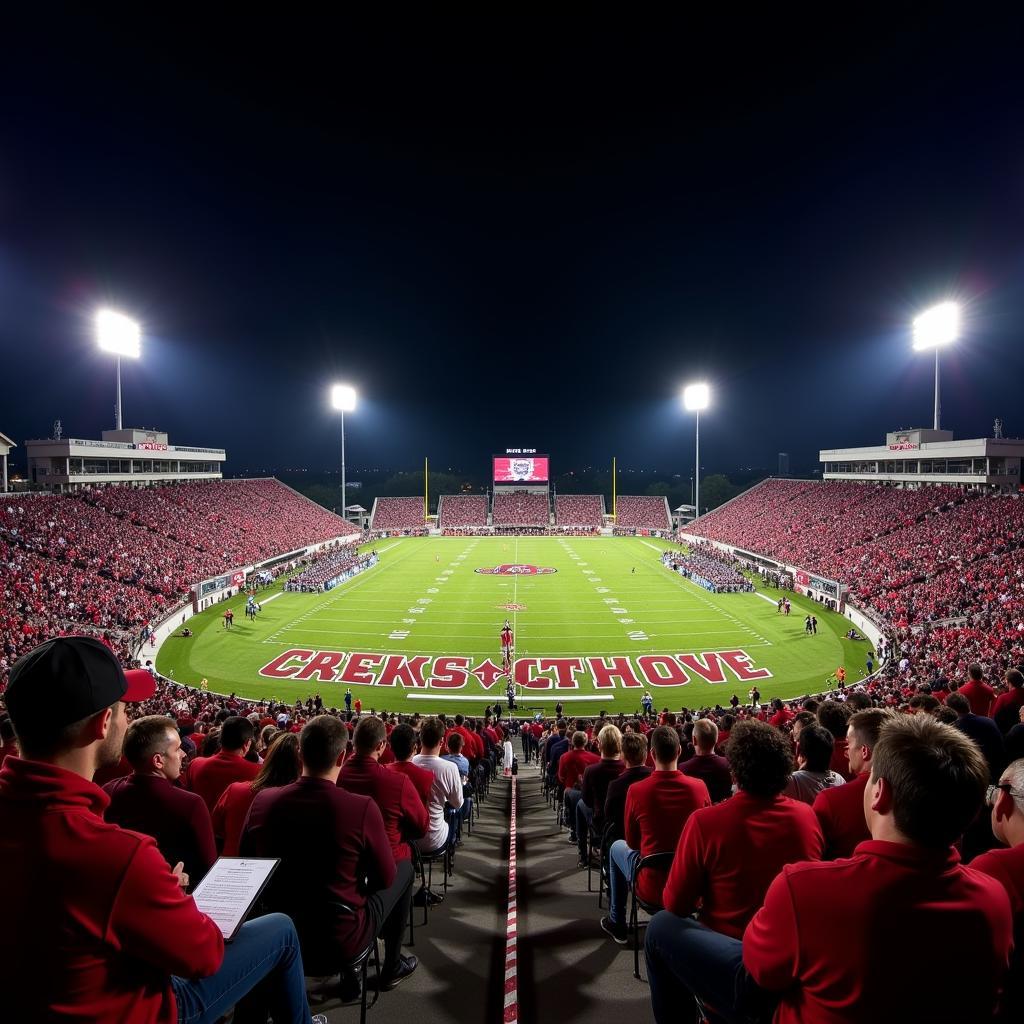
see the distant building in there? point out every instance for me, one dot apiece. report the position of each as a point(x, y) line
point(923, 457)
point(129, 456)
point(783, 463)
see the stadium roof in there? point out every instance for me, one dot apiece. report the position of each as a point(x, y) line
point(6, 442)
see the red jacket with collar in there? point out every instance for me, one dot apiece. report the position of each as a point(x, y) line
point(728, 855)
point(979, 695)
point(840, 811)
point(404, 815)
point(229, 816)
point(656, 811)
point(833, 937)
point(422, 779)
point(210, 776)
point(102, 922)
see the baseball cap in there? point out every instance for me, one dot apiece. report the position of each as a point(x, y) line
point(69, 678)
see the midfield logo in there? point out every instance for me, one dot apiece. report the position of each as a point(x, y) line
point(516, 570)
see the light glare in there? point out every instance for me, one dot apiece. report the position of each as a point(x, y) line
point(937, 326)
point(117, 333)
point(696, 397)
point(343, 398)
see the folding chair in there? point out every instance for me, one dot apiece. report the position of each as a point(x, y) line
point(661, 860)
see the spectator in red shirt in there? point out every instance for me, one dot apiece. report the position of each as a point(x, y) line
point(903, 889)
point(728, 854)
point(782, 715)
point(656, 811)
point(840, 810)
point(834, 716)
point(334, 850)
point(980, 695)
point(706, 765)
point(571, 767)
point(403, 745)
point(280, 767)
point(405, 817)
point(210, 776)
point(1006, 710)
point(148, 801)
point(105, 932)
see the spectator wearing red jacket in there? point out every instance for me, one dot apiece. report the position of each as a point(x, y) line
point(210, 776)
point(333, 850)
point(1006, 710)
point(728, 854)
point(840, 810)
point(1006, 865)
point(834, 716)
point(656, 811)
point(903, 889)
point(148, 801)
point(280, 767)
point(571, 767)
point(979, 694)
point(105, 932)
point(403, 745)
point(405, 817)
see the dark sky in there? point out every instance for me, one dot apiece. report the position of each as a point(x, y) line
point(517, 231)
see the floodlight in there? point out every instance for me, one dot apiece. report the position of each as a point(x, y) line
point(343, 398)
point(117, 333)
point(937, 326)
point(696, 397)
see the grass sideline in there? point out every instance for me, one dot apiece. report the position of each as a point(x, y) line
point(607, 598)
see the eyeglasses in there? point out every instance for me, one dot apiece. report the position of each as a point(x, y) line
point(992, 793)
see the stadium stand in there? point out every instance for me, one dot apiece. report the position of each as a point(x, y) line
point(462, 511)
point(579, 509)
point(397, 514)
point(520, 508)
point(642, 512)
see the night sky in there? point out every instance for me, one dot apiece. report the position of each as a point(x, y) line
point(521, 231)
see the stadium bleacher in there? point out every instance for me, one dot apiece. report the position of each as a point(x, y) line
point(520, 508)
point(579, 510)
point(397, 514)
point(642, 512)
point(461, 511)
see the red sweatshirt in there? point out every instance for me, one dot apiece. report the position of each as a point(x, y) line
point(571, 766)
point(656, 811)
point(833, 937)
point(728, 855)
point(840, 812)
point(102, 922)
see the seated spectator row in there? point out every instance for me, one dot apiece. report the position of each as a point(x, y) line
point(330, 570)
point(714, 574)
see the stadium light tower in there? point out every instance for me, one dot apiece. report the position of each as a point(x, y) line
point(696, 397)
point(120, 335)
point(343, 399)
point(935, 328)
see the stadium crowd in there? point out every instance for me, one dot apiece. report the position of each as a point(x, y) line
point(397, 514)
point(712, 572)
point(520, 508)
point(641, 512)
point(459, 511)
point(579, 510)
point(327, 572)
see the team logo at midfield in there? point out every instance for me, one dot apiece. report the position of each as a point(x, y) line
point(512, 606)
point(516, 570)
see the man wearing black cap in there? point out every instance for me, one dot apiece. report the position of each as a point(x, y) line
point(105, 932)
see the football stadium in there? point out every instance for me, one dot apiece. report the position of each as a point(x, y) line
point(541, 735)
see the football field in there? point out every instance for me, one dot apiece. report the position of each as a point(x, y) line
point(597, 622)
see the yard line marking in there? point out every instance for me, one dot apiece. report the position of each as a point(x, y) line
point(765, 597)
point(273, 597)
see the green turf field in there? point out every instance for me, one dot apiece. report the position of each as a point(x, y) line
point(420, 631)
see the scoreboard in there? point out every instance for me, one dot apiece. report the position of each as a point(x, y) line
point(521, 465)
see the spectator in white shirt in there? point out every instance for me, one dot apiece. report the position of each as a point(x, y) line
point(447, 789)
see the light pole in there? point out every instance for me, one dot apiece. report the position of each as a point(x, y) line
point(119, 334)
point(935, 328)
point(343, 399)
point(695, 398)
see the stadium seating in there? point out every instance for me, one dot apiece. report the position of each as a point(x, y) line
point(397, 514)
point(520, 508)
point(458, 511)
point(642, 512)
point(579, 509)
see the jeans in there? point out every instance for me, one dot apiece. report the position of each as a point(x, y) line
point(685, 959)
point(261, 973)
point(570, 799)
point(622, 862)
point(584, 817)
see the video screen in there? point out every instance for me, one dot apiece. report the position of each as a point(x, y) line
point(525, 469)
